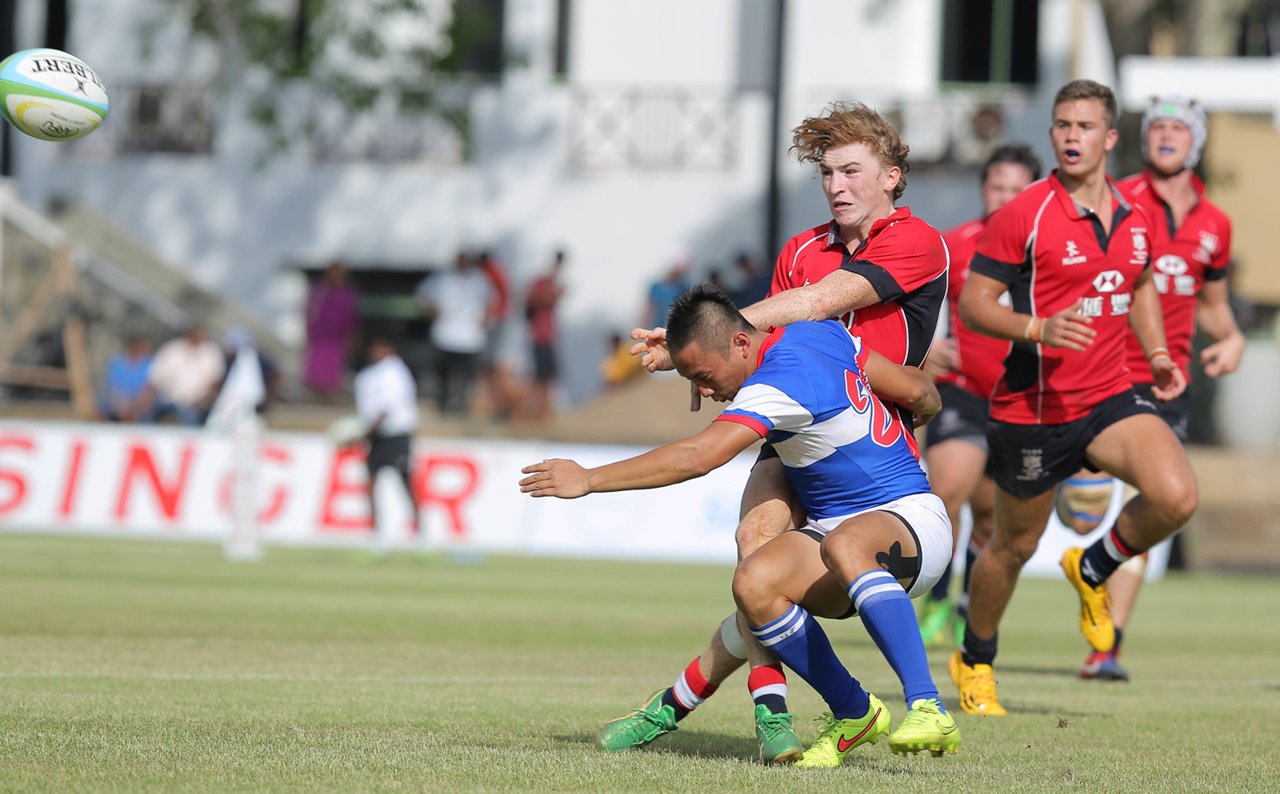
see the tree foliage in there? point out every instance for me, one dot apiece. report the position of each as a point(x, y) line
point(348, 55)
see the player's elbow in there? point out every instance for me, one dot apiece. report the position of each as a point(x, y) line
point(968, 310)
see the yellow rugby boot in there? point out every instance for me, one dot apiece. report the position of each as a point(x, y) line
point(977, 687)
point(1095, 604)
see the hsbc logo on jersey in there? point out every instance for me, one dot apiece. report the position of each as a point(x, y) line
point(1140, 253)
point(1171, 276)
point(1108, 281)
point(1208, 247)
point(1073, 256)
point(1172, 265)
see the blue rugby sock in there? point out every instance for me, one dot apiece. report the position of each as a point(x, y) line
point(801, 644)
point(890, 620)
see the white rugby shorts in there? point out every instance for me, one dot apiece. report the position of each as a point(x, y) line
point(926, 519)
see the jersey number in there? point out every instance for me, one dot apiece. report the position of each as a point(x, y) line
point(886, 429)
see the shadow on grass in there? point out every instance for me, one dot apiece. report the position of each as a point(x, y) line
point(1055, 672)
point(700, 744)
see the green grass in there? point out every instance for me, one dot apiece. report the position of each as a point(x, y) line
point(152, 666)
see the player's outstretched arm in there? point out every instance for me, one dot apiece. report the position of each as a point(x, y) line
point(838, 292)
point(907, 386)
point(1215, 318)
point(670, 463)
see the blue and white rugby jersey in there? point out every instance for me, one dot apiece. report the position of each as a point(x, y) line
point(843, 449)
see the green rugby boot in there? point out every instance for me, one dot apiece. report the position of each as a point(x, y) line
point(935, 619)
point(926, 727)
point(638, 728)
point(778, 742)
point(839, 737)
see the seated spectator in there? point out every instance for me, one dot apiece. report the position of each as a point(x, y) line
point(619, 366)
point(184, 376)
point(125, 396)
point(752, 281)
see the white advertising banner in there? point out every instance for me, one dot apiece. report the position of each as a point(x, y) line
point(164, 482)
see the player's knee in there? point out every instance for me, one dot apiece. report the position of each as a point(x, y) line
point(751, 589)
point(843, 554)
point(1176, 504)
point(1014, 550)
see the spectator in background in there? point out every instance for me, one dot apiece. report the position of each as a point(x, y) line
point(540, 310)
point(238, 338)
point(752, 283)
point(332, 323)
point(619, 366)
point(716, 280)
point(493, 381)
point(184, 377)
point(663, 293)
point(125, 396)
point(457, 302)
point(387, 401)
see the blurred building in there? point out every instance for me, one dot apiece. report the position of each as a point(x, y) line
point(616, 131)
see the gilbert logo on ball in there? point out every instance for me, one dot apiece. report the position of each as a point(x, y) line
point(51, 95)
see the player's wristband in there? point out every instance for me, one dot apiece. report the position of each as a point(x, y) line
point(1034, 332)
point(1157, 353)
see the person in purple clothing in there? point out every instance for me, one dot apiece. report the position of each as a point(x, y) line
point(332, 322)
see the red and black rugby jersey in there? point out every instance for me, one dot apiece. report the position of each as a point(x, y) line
point(1052, 253)
point(904, 258)
point(1182, 260)
point(981, 356)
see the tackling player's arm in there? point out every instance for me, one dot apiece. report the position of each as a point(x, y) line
point(980, 311)
point(1146, 318)
point(838, 292)
point(907, 386)
point(670, 463)
point(1215, 318)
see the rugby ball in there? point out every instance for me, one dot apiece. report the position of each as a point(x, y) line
point(1081, 502)
point(51, 95)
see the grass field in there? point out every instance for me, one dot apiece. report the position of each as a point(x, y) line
point(153, 666)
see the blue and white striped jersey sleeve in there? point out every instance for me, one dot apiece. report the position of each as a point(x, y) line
point(768, 400)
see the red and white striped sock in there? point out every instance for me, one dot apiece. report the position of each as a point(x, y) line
point(768, 685)
point(689, 690)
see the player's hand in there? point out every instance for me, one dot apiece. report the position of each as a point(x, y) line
point(1223, 357)
point(924, 417)
point(695, 397)
point(1169, 381)
point(556, 477)
point(943, 357)
point(1068, 328)
point(651, 346)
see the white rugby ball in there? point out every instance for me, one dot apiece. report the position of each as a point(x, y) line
point(1082, 502)
point(51, 95)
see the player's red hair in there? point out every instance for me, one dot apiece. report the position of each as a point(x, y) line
point(843, 123)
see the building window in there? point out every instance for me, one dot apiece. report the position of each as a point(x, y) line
point(990, 41)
